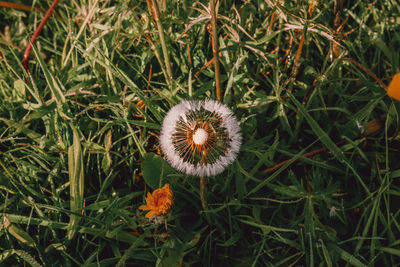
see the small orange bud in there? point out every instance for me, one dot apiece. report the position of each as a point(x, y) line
point(394, 87)
point(140, 104)
point(373, 127)
point(397, 138)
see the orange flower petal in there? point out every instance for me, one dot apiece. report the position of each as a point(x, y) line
point(150, 214)
point(159, 202)
point(394, 87)
point(144, 207)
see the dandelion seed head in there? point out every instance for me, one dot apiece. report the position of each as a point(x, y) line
point(200, 137)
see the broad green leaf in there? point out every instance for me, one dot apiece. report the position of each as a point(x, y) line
point(173, 258)
point(154, 168)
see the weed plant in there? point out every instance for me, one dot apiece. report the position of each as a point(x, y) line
point(79, 134)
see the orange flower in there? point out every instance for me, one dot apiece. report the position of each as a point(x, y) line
point(394, 87)
point(159, 202)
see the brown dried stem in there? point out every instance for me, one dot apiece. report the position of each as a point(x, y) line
point(296, 63)
point(370, 73)
point(336, 22)
point(17, 6)
point(157, 54)
point(205, 66)
point(214, 39)
point(305, 155)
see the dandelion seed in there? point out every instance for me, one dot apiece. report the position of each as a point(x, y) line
point(158, 203)
point(394, 87)
point(200, 137)
point(332, 211)
point(359, 125)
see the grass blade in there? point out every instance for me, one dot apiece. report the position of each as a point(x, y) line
point(327, 141)
point(76, 180)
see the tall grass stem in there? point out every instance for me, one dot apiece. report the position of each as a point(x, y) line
point(162, 40)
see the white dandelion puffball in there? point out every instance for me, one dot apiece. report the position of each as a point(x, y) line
point(200, 137)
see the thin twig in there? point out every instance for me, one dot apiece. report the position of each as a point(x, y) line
point(149, 79)
point(157, 54)
point(305, 155)
point(164, 6)
point(215, 49)
point(336, 22)
point(288, 52)
point(188, 50)
point(162, 40)
point(296, 63)
point(370, 73)
point(17, 6)
point(36, 34)
point(205, 66)
point(271, 22)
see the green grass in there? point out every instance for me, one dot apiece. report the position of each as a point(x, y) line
point(78, 153)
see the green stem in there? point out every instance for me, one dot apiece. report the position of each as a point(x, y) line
point(162, 40)
point(203, 196)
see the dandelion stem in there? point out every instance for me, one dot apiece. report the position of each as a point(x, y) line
point(162, 40)
point(203, 196)
point(214, 39)
point(203, 193)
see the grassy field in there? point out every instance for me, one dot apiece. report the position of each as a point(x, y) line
point(316, 182)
